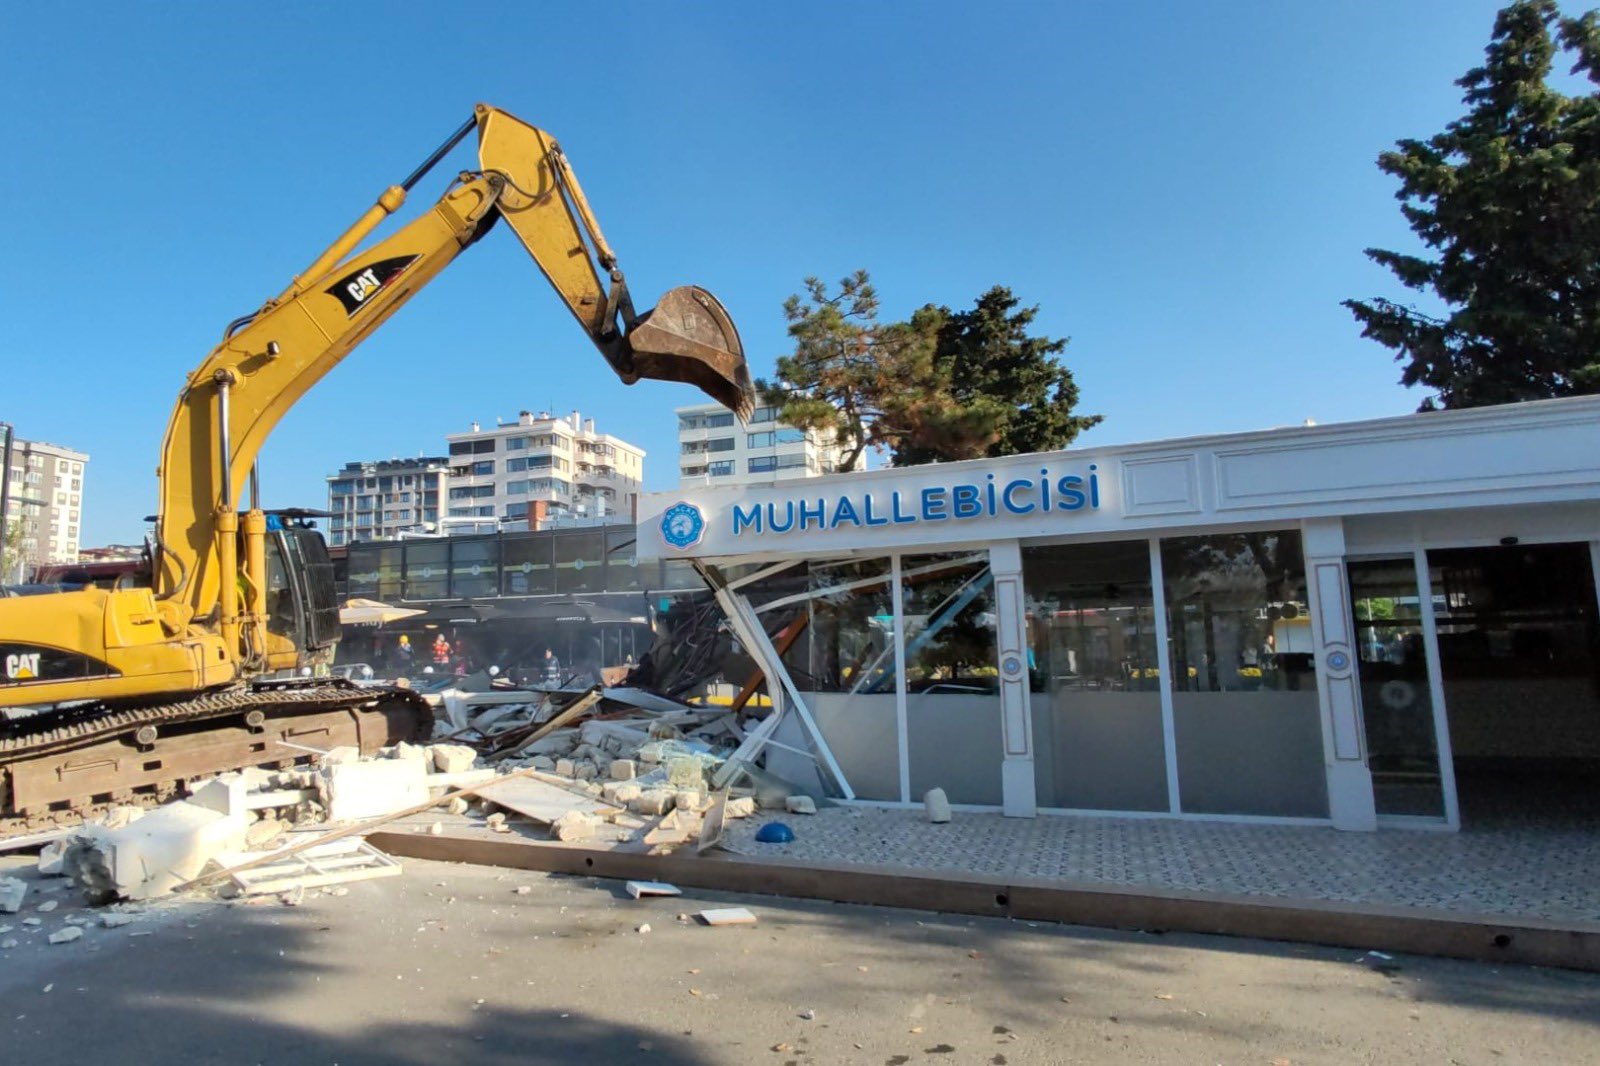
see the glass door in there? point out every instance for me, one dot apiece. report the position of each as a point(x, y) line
point(1396, 701)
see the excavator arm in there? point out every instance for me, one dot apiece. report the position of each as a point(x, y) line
point(270, 359)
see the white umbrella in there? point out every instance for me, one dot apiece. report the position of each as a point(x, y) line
point(373, 613)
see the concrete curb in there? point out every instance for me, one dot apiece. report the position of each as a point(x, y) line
point(1490, 938)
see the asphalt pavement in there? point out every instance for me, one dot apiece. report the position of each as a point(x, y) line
point(471, 964)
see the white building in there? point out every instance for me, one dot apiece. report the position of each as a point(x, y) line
point(46, 498)
point(380, 500)
point(714, 449)
point(1383, 623)
point(515, 476)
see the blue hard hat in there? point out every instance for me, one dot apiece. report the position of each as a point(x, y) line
point(775, 833)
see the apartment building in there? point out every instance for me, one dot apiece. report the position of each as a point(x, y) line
point(45, 498)
point(538, 469)
point(713, 449)
point(379, 500)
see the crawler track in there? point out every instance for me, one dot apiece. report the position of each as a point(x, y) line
point(59, 767)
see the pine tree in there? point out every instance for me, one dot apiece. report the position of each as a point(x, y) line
point(1507, 200)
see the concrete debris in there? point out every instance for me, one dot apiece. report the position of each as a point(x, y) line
point(117, 919)
point(457, 806)
point(575, 825)
point(800, 805)
point(264, 833)
point(623, 769)
point(47, 906)
point(636, 889)
point(727, 916)
point(937, 806)
point(355, 790)
point(7, 944)
point(12, 893)
point(151, 856)
point(67, 935)
point(653, 802)
point(497, 822)
point(743, 807)
point(453, 758)
point(50, 858)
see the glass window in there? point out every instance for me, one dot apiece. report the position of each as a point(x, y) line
point(527, 568)
point(482, 467)
point(764, 414)
point(1245, 714)
point(719, 420)
point(580, 558)
point(623, 573)
point(389, 564)
point(427, 575)
point(461, 447)
point(720, 468)
point(1098, 737)
point(472, 566)
point(720, 444)
point(952, 679)
point(761, 464)
point(516, 444)
point(1396, 702)
point(760, 440)
point(790, 436)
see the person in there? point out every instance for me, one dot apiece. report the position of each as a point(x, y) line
point(552, 668)
point(402, 653)
point(441, 651)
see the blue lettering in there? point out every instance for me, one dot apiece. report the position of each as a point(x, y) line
point(844, 511)
point(933, 505)
point(894, 509)
point(990, 490)
point(1011, 505)
point(1094, 487)
point(966, 501)
point(743, 520)
point(1044, 490)
point(772, 517)
point(808, 516)
point(1072, 497)
point(866, 506)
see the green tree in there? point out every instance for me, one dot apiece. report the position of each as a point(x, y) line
point(1507, 202)
point(11, 551)
point(870, 384)
point(1017, 389)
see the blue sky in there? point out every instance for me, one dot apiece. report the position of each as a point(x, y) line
point(1184, 189)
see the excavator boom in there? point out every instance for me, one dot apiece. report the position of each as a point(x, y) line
point(159, 683)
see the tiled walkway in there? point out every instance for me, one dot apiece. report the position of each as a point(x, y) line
point(1551, 873)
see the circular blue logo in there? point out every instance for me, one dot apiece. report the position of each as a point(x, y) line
point(682, 526)
point(1338, 660)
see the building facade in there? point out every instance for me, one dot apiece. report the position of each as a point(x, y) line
point(1385, 623)
point(46, 503)
point(513, 475)
point(714, 449)
point(382, 499)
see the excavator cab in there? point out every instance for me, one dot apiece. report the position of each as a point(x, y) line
point(302, 603)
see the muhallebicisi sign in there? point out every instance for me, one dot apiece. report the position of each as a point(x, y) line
point(974, 497)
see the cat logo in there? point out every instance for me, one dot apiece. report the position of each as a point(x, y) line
point(22, 667)
point(355, 289)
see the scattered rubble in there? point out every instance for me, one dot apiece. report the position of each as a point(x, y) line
point(12, 893)
point(66, 935)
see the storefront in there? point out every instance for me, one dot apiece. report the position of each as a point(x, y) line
point(1376, 622)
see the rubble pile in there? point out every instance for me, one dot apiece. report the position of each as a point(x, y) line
point(620, 766)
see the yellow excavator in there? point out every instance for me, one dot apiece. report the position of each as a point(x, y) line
point(121, 695)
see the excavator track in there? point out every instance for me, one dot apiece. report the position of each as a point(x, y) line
point(59, 767)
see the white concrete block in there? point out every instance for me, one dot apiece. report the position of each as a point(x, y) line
point(50, 858)
point(12, 893)
point(800, 805)
point(575, 825)
point(655, 801)
point(152, 856)
point(624, 769)
point(453, 758)
point(937, 806)
point(369, 789)
point(743, 807)
point(225, 795)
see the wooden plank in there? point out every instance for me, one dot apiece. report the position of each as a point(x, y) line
point(310, 870)
point(574, 710)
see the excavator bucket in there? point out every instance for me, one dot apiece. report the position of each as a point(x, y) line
point(689, 337)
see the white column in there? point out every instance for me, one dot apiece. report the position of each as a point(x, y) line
point(1018, 797)
point(1350, 799)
